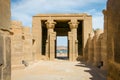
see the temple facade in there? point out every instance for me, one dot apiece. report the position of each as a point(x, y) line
point(46, 27)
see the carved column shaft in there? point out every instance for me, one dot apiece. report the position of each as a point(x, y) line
point(74, 25)
point(70, 37)
point(50, 47)
point(104, 43)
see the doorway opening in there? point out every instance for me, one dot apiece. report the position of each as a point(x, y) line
point(62, 48)
point(62, 28)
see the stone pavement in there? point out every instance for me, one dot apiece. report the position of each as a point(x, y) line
point(58, 70)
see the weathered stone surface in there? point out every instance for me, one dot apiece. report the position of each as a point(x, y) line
point(37, 34)
point(21, 45)
point(5, 14)
point(1, 54)
point(113, 71)
point(5, 41)
point(113, 37)
point(90, 48)
point(104, 55)
point(5, 50)
point(7, 60)
point(17, 44)
point(97, 47)
point(17, 50)
point(27, 45)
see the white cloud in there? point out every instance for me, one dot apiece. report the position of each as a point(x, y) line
point(25, 9)
point(97, 18)
point(98, 22)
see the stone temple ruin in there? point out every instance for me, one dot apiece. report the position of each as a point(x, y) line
point(18, 45)
point(21, 42)
point(47, 27)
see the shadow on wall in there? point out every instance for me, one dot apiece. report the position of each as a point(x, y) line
point(83, 56)
point(95, 72)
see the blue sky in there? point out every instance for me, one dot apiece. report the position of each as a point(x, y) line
point(62, 41)
point(23, 10)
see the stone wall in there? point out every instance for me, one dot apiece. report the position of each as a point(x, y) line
point(17, 44)
point(97, 51)
point(90, 48)
point(5, 40)
point(104, 55)
point(5, 56)
point(27, 45)
point(5, 14)
point(107, 45)
point(21, 45)
point(97, 47)
point(113, 36)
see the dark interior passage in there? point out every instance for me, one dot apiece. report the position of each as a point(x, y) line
point(62, 28)
point(79, 37)
point(44, 37)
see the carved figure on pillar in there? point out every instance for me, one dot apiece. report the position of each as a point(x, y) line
point(73, 26)
point(51, 36)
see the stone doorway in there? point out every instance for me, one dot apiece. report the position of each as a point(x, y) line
point(62, 48)
point(62, 28)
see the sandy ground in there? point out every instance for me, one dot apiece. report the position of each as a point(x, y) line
point(62, 55)
point(58, 70)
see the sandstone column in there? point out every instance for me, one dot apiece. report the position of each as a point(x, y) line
point(37, 36)
point(70, 39)
point(50, 43)
point(87, 28)
point(104, 43)
point(90, 48)
point(74, 25)
point(47, 49)
point(97, 47)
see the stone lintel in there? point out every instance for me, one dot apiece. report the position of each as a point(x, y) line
point(62, 15)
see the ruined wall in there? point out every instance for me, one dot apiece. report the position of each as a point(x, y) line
point(86, 30)
point(97, 51)
point(90, 48)
point(113, 37)
point(17, 44)
point(5, 54)
point(37, 37)
point(97, 47)
point(5, 14)
point(103, 45)
point(5, 40)
point(21, 45)
point(27, 44)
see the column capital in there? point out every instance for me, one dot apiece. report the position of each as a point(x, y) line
point(50, 24)
point(73, 24)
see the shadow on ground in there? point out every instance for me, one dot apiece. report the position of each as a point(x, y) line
point(97, 74)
